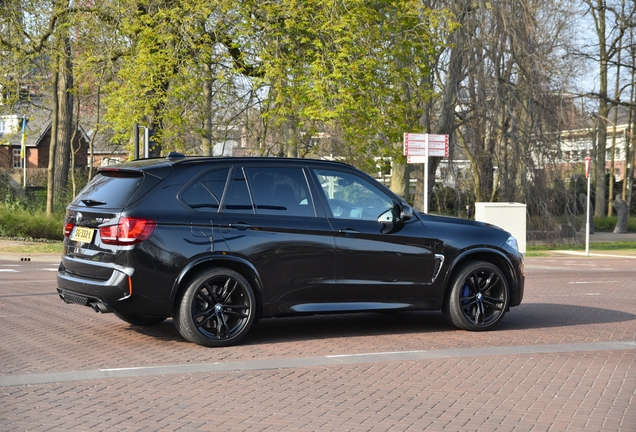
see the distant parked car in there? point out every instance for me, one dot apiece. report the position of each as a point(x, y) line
point(217, 243)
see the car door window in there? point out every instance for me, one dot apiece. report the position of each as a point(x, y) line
point(352, 197)
point(280, 191)
point(237, 198)
point(204, 194)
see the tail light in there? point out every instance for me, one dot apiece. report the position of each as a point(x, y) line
point(127, 231)
point(68, 229)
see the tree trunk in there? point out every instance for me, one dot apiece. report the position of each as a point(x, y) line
point(600, 207)
point(446, 120)
point(65, 119)
point(91, 143)
point(50, 189)
point(400, 175)
point(617, 95)
point(630, 143)
point(291, 145)
point(206, 139)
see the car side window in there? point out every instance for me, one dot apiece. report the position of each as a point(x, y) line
point(280, 191)
point(237, 198)
point(204, 194)
point(352, 197)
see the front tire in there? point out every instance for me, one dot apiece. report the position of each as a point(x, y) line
point(217, 309)
point(479, 297)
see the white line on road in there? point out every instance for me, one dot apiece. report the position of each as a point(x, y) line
point(306, 362)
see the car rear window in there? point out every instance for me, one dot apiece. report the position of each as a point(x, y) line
point(109, 189)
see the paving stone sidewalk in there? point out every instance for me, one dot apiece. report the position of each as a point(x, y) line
point(565, 360)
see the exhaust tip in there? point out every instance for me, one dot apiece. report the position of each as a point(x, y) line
point(99, 307)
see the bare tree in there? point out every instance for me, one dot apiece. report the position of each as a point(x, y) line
point(611, 21)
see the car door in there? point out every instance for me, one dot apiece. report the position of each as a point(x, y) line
point(268, 218)
point(376, 259)
point(203, 197)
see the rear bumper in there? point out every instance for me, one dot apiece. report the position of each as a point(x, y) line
point(74, 287)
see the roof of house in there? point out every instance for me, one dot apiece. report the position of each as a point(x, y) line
point(38, 124)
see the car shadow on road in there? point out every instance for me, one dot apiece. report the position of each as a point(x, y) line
point(346, 325)
point(524, 317)
point(276, 330)
point(548, 315)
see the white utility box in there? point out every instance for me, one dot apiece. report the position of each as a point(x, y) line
point(508, 216)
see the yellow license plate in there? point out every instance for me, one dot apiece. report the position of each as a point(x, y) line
point(84, 235)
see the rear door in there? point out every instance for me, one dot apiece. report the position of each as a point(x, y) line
point(268, 217)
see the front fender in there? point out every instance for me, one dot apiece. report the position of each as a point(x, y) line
point(497, 257)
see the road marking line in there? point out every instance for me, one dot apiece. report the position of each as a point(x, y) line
point(595, 254)
point(592, 282)
point(308, 362)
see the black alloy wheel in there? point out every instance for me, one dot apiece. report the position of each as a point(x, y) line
point(217, 309)
point(479, 297)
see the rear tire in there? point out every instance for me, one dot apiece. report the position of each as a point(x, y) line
point(217, 309)
point(479, 297)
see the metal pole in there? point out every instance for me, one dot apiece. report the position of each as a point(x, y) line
point(136, 140)
point(587, 212)
point(146, 142)
point(426, 178)
point(23, 150)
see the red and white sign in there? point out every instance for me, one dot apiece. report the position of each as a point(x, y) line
point(588, 161)
point(415, 146)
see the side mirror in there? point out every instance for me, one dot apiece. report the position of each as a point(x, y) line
point(397, 214)
point(388, 217)
point(393, 218)
point(407, 213)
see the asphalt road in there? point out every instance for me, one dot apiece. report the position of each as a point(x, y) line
point(565, 360)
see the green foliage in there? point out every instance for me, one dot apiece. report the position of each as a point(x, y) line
point(166, 49)
point(18, 221)
point(607, 224)
point(360, 66)
point(538, 250)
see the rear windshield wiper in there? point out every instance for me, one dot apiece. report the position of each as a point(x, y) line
point(91, 202)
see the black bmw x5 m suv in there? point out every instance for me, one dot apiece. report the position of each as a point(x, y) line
point(217, 243)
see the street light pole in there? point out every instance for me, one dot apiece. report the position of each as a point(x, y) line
point(588, 162)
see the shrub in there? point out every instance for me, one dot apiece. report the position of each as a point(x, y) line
point(607, 224)
point(17, 221)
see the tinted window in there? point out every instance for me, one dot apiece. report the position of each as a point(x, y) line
point(280, 191)
point(204, 194)
point(237, 197)
point(352, 197)
point(109, 189)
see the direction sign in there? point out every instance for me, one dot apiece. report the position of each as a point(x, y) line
point(418, 148)
point(416, 144)
point(420, 156)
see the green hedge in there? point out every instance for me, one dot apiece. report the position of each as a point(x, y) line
point(607, 224)
point(16, 221)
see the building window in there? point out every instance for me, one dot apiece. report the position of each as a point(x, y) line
point(3, 127)
point(17, 160)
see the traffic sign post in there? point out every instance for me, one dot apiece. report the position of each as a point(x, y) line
point(419, 147)
point(588, 163)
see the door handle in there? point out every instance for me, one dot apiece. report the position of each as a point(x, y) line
point(240, 226)
point(349, 231)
